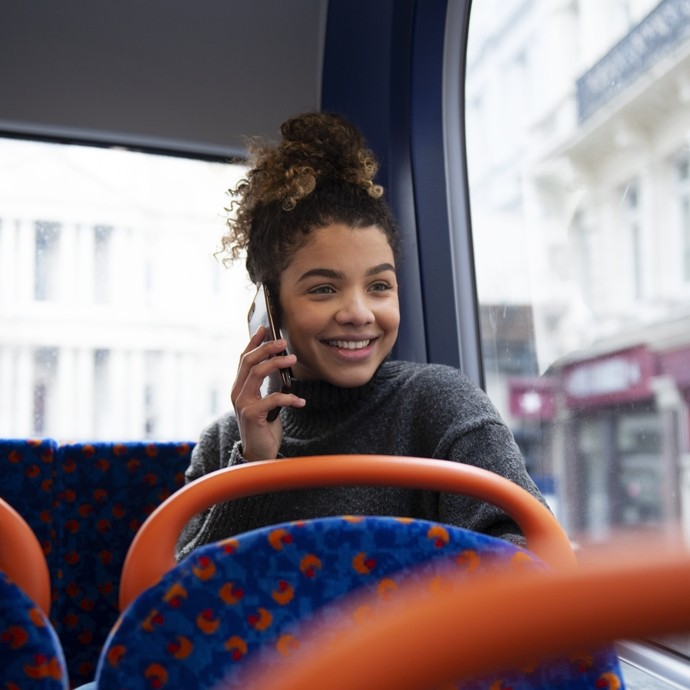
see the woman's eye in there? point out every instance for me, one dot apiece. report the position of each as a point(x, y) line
point(322, 290)
point(380, 286)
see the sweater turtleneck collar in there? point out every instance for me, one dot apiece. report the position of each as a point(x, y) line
point(326, 402)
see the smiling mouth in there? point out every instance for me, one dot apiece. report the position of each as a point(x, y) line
point(349, 344)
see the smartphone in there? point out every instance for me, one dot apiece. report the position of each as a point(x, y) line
point(263, 313)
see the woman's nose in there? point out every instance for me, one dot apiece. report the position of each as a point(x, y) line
point(354, 309)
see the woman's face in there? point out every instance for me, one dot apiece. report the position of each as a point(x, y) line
point(339, 300)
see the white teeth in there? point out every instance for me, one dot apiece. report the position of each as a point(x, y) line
point(349, 344)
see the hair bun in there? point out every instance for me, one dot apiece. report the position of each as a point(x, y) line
point(321, 167)
point(322, 146)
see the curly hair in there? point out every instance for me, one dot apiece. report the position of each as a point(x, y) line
point(320, 173)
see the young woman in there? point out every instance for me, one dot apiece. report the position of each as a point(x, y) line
point(319, 235)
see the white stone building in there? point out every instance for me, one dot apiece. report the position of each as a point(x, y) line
point(116, 321)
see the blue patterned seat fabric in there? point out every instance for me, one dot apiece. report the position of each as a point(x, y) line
point(31, 657)
point(28, 484)
point(85, 502)
point(106, 493)
point(254, 596)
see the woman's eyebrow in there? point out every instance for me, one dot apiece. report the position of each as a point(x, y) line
point(380, 269)
point(337, 275)
point(321, 273)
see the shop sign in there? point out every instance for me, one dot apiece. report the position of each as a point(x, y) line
point(620, 377)
point(532, 398)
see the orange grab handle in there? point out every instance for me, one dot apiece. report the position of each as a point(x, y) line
point(489, 624)
point(152, 552)
point(22, 558)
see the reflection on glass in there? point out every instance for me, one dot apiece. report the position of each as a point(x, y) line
point(106, 256)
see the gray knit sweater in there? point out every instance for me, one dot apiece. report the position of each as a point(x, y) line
point(407, 409)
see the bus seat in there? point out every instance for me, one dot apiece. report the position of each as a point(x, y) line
point(254, 596)
point(28, 483)
point(220, 587)
point(30, 652)
point(490, 622)
point(106, 492)
point(84, 502)
point(152, 552)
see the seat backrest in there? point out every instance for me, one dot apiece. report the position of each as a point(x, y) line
point(259, 592)
point(107, 490)
point(22, 558)
point(84, 502)
point(630, 590)
point(152, 551)
point(30, 652)
point(28, 483)
point(255, 595)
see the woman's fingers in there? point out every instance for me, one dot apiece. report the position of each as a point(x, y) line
point(249, 402)
point(257, 362)
point(254, 341)
point(260, 430)
point(267, 368)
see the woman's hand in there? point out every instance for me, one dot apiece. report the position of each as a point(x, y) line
point(260, 438)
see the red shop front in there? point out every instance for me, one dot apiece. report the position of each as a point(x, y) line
point(616, 442)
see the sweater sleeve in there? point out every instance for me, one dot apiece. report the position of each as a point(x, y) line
point(218, 447)
point(490, 447)
point(467, 428)
point(206, 457)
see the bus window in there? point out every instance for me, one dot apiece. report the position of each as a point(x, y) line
point(116, 321)
point(578, 159)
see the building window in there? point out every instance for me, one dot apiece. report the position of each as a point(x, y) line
point(46, 260)
point(101, 391)
point(632, 240)
point(152, 387)
point(45, 374)
point(102, 259)
point(683, 178)
point(583, 257)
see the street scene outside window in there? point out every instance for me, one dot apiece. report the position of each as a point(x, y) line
point(578, 134)
point(116, 320)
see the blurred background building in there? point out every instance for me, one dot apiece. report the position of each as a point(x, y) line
point(116, 320)
point(579, 139)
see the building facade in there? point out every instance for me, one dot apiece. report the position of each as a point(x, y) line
point(581, 165)
point(116, 321)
